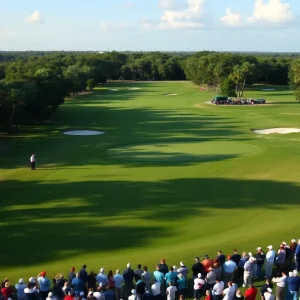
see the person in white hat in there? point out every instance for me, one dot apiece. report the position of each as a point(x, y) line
point(268, 294)
point(183, 269)
point(260, 259)
point(198, 286)
point(101, 277)
point(249, 271)
point(20, 287)
point(133, 295)
point(269, 262)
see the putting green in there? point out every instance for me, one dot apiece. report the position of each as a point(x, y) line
point(184, 152)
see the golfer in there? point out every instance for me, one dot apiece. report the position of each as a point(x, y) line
point(32, 161)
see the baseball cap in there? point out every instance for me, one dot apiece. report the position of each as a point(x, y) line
point(43, 274)
point(101, 270)
point(128, 265)
point(283, 243)
point(269, 290)
point(295, 272)
point(133, 292)
point(270, 247)
point(32, 280)
point(258, 248)
point(181, 264)
point(197, 258)
point(21, 280)
point(293, 240)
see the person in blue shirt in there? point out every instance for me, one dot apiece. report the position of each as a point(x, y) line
point(293, 284)
point(160, 277)
point(181, 285)
point(171, 276)
point(297, 256)
point(44, 285)
point(109, 294)
point(78, 285)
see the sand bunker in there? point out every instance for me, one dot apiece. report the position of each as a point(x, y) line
point(277, 130)
point(134, 88)
point(113, 90)
point(83, 132)
point(266, 90)
point(171, 94)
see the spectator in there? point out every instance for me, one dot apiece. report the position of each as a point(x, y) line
point(133, 295)
point(217, 270)
point(197, 268)
point(156, 289)
point(293, 284)
point(163, 267)
point(236, 257)
point(67, 288)
point(159, 276)
point(297, 256)
point(99, 294)
point(20, 287)
point(221, 258)
point(119, 280)
point(109, 294)
point(91, 280)
point(138, 273)
point(260, 259)
point(128, 276)
point(90, 296)
point(59, 282)
point(242, 262)
point(141, 288)
point(50, 296)
point(208, 295)
point(229, 292)
point(111, 281)
point(198, 286)
point(210, 279)
point(181, 284)
point(44, 285)
point(146, 277)
point(269, 262)
point(280, 259)
point(248, 271)
point(7, 291)
point(238, 295)
point(264, 288)
point(293, 246)
point(70, 295)
point(229, 267)
point(183, 269)
point(71, 275)
point(83, 274)
point(171, 291)
point(207, 263)
point(250, 294)
point(102, 278)
point(78, 285)
point(31, 292)
point(280, 288)
point(171, 276)
point(268, 294)
point(217, 290)
point(287, 250)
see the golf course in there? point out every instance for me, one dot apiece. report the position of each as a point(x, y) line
point(172, 177)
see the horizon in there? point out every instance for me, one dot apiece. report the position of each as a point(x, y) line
point(161, 25)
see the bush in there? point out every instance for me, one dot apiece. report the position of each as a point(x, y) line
point(228, 88)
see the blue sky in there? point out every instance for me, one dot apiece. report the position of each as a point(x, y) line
point(165, 25)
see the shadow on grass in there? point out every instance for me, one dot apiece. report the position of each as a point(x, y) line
point(57, 219)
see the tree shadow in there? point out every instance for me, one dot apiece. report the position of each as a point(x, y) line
point(77, 217)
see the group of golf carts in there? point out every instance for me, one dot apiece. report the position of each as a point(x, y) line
point(219, 100)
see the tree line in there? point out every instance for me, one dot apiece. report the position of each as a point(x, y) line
point(34, 84)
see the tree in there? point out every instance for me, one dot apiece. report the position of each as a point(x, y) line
point(90, 84)
point(228, 87)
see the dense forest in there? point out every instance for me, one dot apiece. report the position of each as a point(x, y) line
point(34, 84)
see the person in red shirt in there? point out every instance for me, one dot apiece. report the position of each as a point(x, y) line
point(69, 296)
point(250, 294)
point(7, 291)
point(207, 263)
point(208, 295)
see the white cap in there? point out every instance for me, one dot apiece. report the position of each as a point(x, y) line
point(101, 270)
point(269, 290)
point(128, 265)
point(199, 275)
point(32, 280)
point(295, 272)
point(258, 248)
point(290, 274)
point(174, 268)
point(283, 243)
point(181, 264)
point(270, 247)
point(250, 254)
point(293, 241)
point(133, 292)
point(21, 280)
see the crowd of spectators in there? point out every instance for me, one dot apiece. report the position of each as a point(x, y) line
point(215, 279)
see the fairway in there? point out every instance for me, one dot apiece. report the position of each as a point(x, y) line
point(171, 177)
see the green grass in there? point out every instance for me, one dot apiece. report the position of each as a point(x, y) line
point(172, 177)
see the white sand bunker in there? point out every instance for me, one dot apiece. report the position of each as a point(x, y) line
point(266, 90)
point(134, 88)
point(171, 94)
point(83, 132)
point(113, 90)
point(277, 130)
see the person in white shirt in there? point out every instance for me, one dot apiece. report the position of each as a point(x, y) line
point(32, 161)
point(269, 262)
point(133, 296)
point(171, 291)
point(155, 289)
point(198, 286)
point(229, 292)
point(218, 288)
point(268, 294)
point(280, 288)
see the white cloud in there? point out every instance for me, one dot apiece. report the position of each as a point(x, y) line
point(187, 18)
point(36, 17)
point(172, 4)
point(274, 12)
point(232, 19)
point(265, 13)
